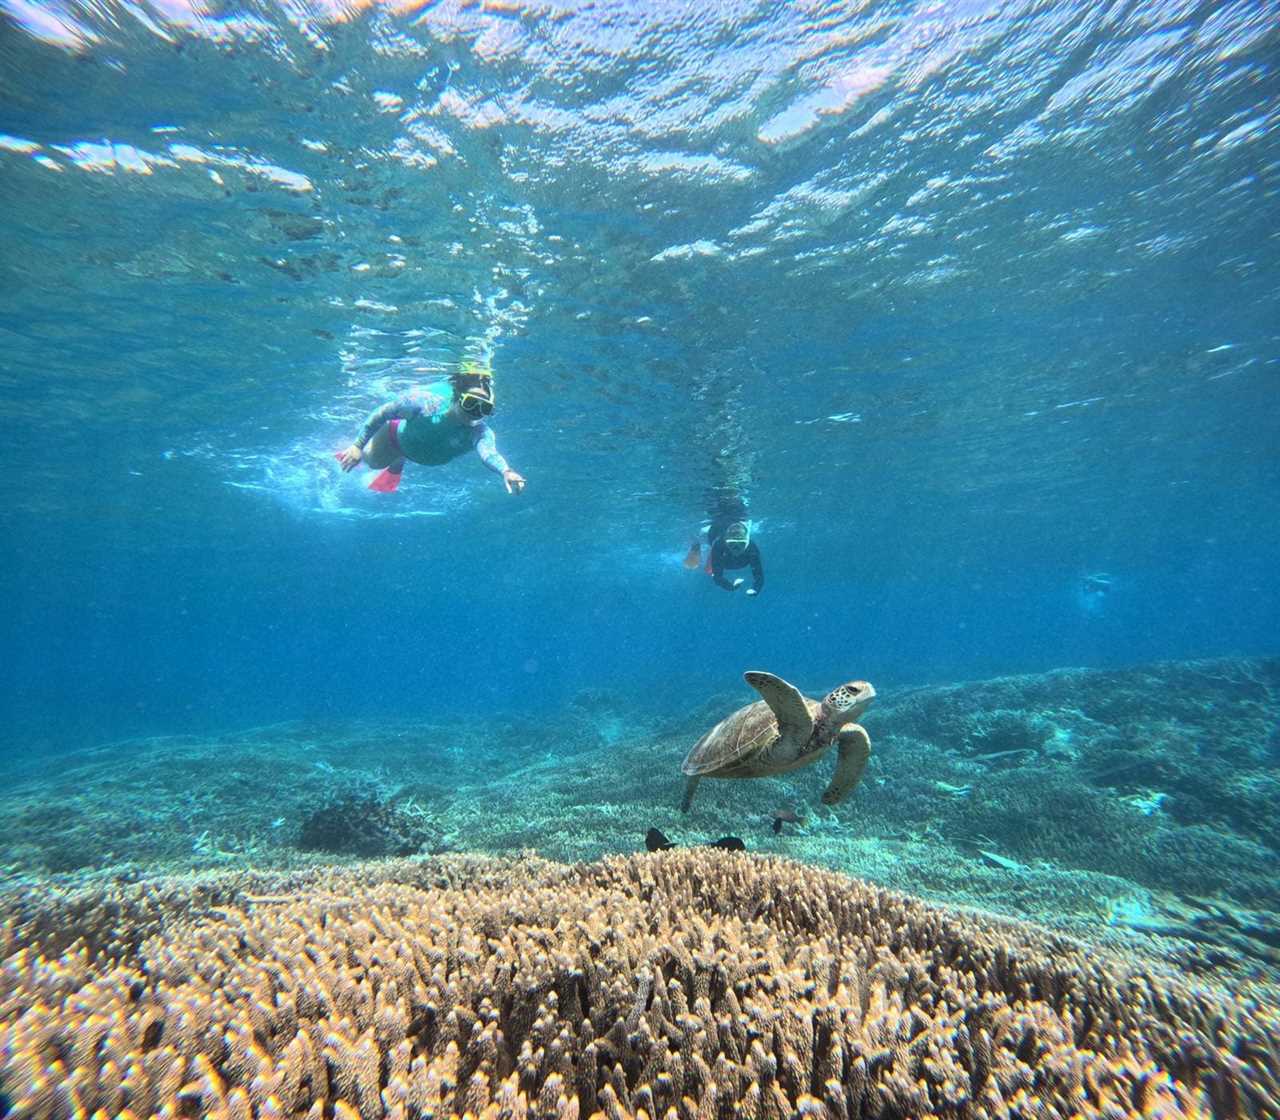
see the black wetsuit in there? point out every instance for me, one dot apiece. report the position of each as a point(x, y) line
point(722, 558)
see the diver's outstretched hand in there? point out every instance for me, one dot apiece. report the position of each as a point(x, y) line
point(350, 458)
point(514, 481)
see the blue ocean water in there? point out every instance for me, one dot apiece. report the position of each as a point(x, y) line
point(974, 303)
point(969, 307)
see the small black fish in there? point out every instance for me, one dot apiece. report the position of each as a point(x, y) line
point(784, 814)
point(655, 841)
point(729, 843)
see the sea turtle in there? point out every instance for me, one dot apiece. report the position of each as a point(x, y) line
point(783, 732)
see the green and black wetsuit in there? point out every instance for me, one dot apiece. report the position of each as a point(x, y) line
point(424, 431)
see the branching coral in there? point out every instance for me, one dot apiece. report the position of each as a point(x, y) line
point(685, 985)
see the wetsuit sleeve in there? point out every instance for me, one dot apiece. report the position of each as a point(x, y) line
point(399, 409)
point(757, 569)
point(486, 445)
point(717, 567)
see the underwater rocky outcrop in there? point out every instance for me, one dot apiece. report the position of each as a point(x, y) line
point(364, 824)
point(688, 985)
point(1168, 774)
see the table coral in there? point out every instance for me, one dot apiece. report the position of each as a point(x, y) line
point(689, 985)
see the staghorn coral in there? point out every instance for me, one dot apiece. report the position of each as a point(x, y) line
point(683, 986)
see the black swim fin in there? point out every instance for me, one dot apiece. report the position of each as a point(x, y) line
point(655, 841)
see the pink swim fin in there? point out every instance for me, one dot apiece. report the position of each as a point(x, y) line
point(386, 482)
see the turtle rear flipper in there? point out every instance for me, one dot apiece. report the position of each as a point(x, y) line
point(786, 703)
point(853, 745)
point(690, 788)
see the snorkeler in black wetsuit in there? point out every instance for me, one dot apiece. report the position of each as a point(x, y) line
point(732, 548)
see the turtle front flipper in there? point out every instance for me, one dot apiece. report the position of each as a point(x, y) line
point(785, 701)
point(690, 788)
point(853, 745)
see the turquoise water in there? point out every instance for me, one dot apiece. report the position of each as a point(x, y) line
point(970, 308)
point(972, 302)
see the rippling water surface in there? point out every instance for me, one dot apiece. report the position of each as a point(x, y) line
point(962, 295)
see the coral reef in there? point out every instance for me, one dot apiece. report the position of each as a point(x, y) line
point(688, 985)
point(366, 825)
point(233, 799)
point(1104, 803)
point(1200, 733)
point(1232, 928)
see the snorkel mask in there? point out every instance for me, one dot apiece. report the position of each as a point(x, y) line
point(476, 402)
point(474, 387)
point(737, 536)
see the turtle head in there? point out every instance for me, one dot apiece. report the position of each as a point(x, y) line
point(847, 703)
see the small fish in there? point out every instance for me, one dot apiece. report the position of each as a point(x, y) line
point(693, 558)
point(784, 814)
point(655, 841)
point(729, 843)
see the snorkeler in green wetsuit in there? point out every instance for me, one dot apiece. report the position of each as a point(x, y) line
point(432, 425)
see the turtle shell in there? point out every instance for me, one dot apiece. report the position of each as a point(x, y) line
point(734, 740)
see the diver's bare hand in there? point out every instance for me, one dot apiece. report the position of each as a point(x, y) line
point(514, 481)
point(350, 458)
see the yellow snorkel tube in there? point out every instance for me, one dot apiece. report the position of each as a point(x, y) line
point(473, 367)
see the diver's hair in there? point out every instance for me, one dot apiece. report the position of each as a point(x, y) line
point(471, 379)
